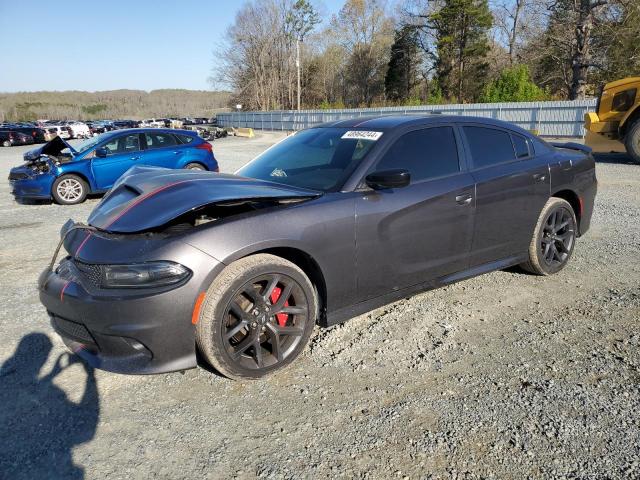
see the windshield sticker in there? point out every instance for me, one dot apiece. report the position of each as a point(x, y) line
point(362, 135)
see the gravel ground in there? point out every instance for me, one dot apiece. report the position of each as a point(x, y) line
point(507, 375)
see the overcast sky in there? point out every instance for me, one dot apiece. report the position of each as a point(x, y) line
point(136, 44)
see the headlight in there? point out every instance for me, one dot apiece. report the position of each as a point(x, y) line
point(142, 275)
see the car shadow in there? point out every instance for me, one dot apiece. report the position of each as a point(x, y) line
point(614, 158)
point(32, 201)
point(39, 424)
point(202, 363)
point(518, 270)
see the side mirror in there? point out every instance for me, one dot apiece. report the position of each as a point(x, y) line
point(101, 152)
point(388, 179)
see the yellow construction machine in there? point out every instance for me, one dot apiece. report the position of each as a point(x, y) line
point(615, 125)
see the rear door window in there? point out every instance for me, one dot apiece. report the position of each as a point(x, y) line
point(521, 145)
point(185, 138)
point(427, 153)
point(159, 140)
point(489, 146)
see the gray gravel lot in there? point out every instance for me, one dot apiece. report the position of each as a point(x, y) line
point(507, 375)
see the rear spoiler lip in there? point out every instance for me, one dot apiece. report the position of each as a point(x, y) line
point(572, 146)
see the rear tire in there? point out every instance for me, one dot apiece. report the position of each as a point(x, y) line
point(69, 190)
point(632, 141)
point(553, 239)
point(6, 143)
point(194, 166)
point(257, 317)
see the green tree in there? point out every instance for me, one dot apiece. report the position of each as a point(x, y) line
point(435, 94)
point(401, 78)
point(365, 31)
point(615, 43)
point(567, 54)
point(460, 29)
point(513, 85)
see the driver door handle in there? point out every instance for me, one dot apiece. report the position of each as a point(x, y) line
point(539, 177)
point(464, 199)
point(135, 158)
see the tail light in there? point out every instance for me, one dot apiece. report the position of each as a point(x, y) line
point(206, 146)
point(10, 135)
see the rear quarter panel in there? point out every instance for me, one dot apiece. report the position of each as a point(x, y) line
point(575, 171)
point(194, 154)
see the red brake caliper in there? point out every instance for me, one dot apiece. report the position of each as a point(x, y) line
point(281, 317)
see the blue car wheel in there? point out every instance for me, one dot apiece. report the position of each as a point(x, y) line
point(194, 166)
point(69, 190)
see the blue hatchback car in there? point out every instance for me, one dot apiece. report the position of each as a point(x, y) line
point(68, 174)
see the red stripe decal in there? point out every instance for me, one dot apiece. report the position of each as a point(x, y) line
point(144, 197)
point(63, 289)
point(82, 244)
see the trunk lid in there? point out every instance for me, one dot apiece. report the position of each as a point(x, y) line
point(149, 197)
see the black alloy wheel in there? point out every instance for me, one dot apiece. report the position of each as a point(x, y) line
point(558, 236)
point(265, 321)
point(553, 239)
point(257, 317)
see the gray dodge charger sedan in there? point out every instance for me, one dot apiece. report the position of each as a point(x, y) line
point(323, 226)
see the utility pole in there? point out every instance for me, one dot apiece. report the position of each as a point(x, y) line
point(298, 67)
point(300, 20)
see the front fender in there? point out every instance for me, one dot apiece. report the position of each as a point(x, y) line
point(81, 168)
point(323, 229)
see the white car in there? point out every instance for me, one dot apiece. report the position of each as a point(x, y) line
point(79, 130)
point(153, 123)
point(61, 131)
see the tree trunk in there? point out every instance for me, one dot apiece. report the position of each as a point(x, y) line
point(514, 31)
point(298, 68)
point(581, 58)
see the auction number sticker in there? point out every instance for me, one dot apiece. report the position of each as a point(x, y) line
point(362, 135)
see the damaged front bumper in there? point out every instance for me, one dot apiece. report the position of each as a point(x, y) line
point(25, 184)
point(125, 330)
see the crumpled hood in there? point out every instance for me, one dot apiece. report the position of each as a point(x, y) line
point(149, 197)
point(53, 147)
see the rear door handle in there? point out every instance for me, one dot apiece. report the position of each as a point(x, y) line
point(464, 199)
point(539, 177)
point(135, 158)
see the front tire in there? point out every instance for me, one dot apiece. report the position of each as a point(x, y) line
point(69, 190)
point(553, 239)
point(257, 317)
point(6, 143)
point(632, 141)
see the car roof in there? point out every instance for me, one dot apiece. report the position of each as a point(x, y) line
point(113, 133)
point(152, 130)
point(391, 122)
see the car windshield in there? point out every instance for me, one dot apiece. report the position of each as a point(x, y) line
point(318, 158)
point(89, 143)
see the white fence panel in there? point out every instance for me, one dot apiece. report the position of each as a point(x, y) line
point(549, 119)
